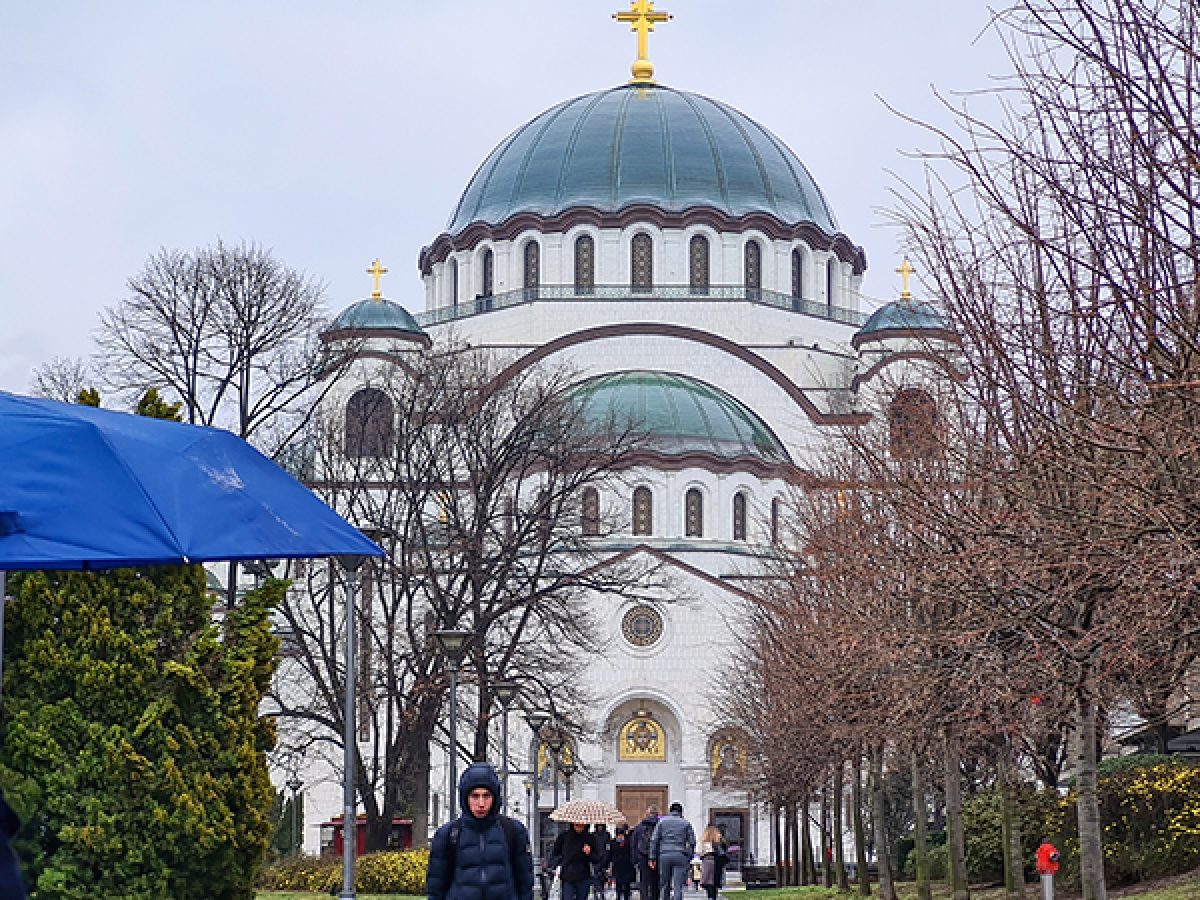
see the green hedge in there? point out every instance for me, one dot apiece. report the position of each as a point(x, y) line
point(375, 873)
point(1149, 806)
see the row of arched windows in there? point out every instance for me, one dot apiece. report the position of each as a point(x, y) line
point(641, 267)
point(693, 514)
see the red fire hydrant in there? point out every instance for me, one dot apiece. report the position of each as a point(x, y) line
point(1047, 865)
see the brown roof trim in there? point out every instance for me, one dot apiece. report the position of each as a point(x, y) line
point(955, 374)
point(473, 234)
point(343, 334)
point(659, 329)
point(668, 559)
point(926, 334)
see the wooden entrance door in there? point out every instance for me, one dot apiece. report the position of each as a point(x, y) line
point(633, 801)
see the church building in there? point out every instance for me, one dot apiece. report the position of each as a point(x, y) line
point(681, 258)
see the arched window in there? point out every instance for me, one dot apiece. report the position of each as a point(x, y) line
point(830, 280)
point(643, 511)
point(641, 263)
point(533, 264)
point(585, 265)
point(775, 520)
point(589, 512)
point(488, 265)
point(753, 270)
point(693, 513)
point(698, 264)
point(739, 516)
point(454, 282)
point(797, 277)
point(369, 424)
point(912, 424)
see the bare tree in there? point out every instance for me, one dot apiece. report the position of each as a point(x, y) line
point(62, 378)
point(230, 331)
point(472, 480)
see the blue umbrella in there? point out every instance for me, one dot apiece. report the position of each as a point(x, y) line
point(86, 488)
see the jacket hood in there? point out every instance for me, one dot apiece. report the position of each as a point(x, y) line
point(479, 775)
point(650, 820)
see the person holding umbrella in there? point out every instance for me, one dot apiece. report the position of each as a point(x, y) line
point(573, 854)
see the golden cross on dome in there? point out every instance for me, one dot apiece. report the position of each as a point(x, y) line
point(378, 271)
point(642, 18)
point(906, 271)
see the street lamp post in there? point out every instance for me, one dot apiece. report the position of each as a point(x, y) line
point(454, 643)
point(294, 784)
point(568, 771)
point(556, 742)
point(537, 721)
point(349, 811)
point(506, 692)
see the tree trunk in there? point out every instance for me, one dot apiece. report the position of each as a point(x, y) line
point(775, 811)
point(1014, 867)
point(778, 832)
point(793, 844)
point(887, 889)
point(860, 833)
point(920, 820)
point(826, 851)
point(954, 820)
point(839, 852)
point(808, 870)
point(1091, 844)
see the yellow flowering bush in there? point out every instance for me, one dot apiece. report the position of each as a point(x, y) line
point(375, 873)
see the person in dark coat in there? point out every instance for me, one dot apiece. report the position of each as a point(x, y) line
point(602, 841)
point(12, 884)
point(621, 857)
point(574, 852)
point(639, 848)
point(481, 855)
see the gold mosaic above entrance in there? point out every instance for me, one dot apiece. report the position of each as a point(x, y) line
point(642, 740)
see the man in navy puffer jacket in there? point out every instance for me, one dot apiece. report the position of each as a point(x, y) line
point(483, 864)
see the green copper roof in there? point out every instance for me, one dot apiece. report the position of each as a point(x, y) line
point(372, 315)
point(679, 415)
point(902, 315)
point(639, 144)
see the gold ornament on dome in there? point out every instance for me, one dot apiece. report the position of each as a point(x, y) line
point(642, 18)
point(642, 740)
point(377, 271)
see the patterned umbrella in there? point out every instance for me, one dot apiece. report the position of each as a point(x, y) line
point(589, 812)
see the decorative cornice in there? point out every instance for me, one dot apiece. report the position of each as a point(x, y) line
point(473, 234)
point(659, 329)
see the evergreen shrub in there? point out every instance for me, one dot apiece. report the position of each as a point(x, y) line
point(375, 873)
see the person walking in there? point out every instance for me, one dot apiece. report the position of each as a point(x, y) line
point(639, 851)
point(481, 855)
point(671, 849)
point(621, 857)
point(601, 864)
point(574, 851)
point(713, 857)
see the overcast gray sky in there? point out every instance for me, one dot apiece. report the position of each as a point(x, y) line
point(334, 133)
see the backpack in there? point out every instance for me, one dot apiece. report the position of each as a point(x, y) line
point(643, 841)
point(510, 838)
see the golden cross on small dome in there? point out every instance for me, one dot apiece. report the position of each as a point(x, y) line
point(642, 18)
point(906, 271)
point(378, 271)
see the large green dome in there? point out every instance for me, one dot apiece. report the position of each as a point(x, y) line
point(678, 415)
point(642, 144)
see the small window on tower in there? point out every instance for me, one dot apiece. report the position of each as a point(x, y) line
point(643, 511)
point(797, 277)
point(590, 512)
point(698, 259)
point(642, 263)
point(753, 270)
point(739, 517)
point(489, 273)
point(585, 265)
point(694, 513)
point(533, 275)
point(913, 424)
